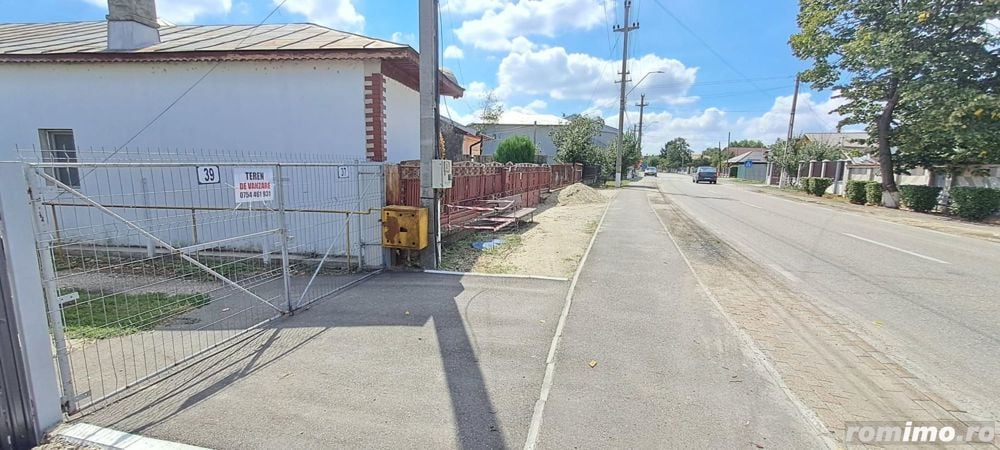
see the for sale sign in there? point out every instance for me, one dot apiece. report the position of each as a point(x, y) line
point(254, 184)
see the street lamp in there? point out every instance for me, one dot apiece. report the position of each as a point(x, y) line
point(640, 80)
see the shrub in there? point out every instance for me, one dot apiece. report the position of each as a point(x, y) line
point(873, 192)
point(515, 149)
point(974, 203)
point(919, 198)
point(805, 183)
point(856, 191)
point(817, 186)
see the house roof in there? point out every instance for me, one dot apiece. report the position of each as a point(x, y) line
point(87, 42)
point(464, 129)
point(843, 140)
point(754, 154)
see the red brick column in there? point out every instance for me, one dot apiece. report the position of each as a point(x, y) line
point(375, 117)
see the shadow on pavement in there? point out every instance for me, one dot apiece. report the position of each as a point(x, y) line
point(382, 364)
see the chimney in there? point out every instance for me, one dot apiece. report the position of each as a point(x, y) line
point(132, 24)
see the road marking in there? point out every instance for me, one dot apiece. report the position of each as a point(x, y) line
point(918, 255)
point(751, 205)
point(494, 275)
point(535, 427)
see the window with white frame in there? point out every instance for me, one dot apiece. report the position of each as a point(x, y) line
point(59, 146)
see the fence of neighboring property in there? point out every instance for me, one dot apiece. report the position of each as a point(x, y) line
point(475, 181)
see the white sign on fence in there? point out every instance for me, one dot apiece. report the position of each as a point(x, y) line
point(253, 184)
point(208, 174)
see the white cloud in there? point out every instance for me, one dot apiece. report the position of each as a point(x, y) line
point(579, 76)
point(711, 125)
point(470, 6)
point(453, 52)
point(404, 38)
point(502, 21)
point(337, 14)
point(182, 11)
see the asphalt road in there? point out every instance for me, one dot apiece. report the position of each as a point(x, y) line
point(926, 298)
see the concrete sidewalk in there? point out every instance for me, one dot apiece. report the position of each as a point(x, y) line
point(671, 371)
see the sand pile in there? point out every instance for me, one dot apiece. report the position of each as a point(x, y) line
point(578, 194)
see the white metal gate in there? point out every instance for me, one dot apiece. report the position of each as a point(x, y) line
point(151, 262)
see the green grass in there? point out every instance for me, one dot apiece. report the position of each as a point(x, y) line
point(163, 265)
point(97, 316)
point(745, 181)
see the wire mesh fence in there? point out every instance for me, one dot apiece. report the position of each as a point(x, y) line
point(151, 259)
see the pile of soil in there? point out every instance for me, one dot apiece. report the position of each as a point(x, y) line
point(578, 194)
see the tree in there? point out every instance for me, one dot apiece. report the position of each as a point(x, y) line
point(908, 64)
point(716, 156)
point(516, 149)
point(801, 150)
point(490, 111)
point(702, 161)
point(676, 153)
point(574, 141)
point(747, 143)
point(651, 160)
point(631, 155)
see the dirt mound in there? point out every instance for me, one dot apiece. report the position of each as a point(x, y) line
point(578, 194)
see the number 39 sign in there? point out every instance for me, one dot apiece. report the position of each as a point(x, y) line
point(208, 175)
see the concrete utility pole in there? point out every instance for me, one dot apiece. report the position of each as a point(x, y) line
point(783, 180)
point(642, 105)
point(621, 104)
point(429, 126)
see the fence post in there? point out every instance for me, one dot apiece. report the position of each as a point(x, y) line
point(150, 245)
point(43, 245)
point(283, 224)
point(17, 224)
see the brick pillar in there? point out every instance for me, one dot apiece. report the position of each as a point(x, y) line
point(375, 117)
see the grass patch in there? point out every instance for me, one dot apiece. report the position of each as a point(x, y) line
point(744, 181)
point(459, 256)
point(163, 265)
point(97, 316)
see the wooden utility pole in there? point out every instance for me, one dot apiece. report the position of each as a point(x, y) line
point(783, 180)
point(621, 103)
point(429, 135)
point(642, 105)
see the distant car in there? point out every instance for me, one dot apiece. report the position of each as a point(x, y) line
point(705, 174)
point(650, 171)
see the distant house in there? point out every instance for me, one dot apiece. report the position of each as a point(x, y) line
point(749, 163)
point(540, 133)
point(297, 88)
point(849, 143)
point(461, 142)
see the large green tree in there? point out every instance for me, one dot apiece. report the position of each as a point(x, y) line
point(574, 141)
point(631, 155)
point(788, 157)
point(903, 66)
point(676, 153)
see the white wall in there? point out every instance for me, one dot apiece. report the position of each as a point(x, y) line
point(402, 122)
point(287, 106)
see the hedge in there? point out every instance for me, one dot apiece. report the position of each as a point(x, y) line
point(919, 198)
point(805, 184)
point(856, 191)
point(817, 186)
point(974, 203)
point(515, 149)
point(873, 192)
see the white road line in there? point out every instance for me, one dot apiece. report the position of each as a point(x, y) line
point(535, 428)
point(918, 255)
point(751, 205)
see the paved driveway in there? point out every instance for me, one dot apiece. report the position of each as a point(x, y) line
point(402, 360)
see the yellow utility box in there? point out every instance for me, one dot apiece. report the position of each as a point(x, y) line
point(404, 227)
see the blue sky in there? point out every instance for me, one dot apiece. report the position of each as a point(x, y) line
point(727, 65)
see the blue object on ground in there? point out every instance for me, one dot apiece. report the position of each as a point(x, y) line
point(486, 245)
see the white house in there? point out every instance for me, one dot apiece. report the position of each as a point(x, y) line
point(298, 88)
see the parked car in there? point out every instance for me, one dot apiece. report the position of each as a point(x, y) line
point(705, 173)
point(650, 171)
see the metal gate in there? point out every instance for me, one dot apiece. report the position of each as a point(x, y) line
point(16, 425)
point(150, 262)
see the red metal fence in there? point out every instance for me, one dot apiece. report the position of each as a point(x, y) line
point(474, 181)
